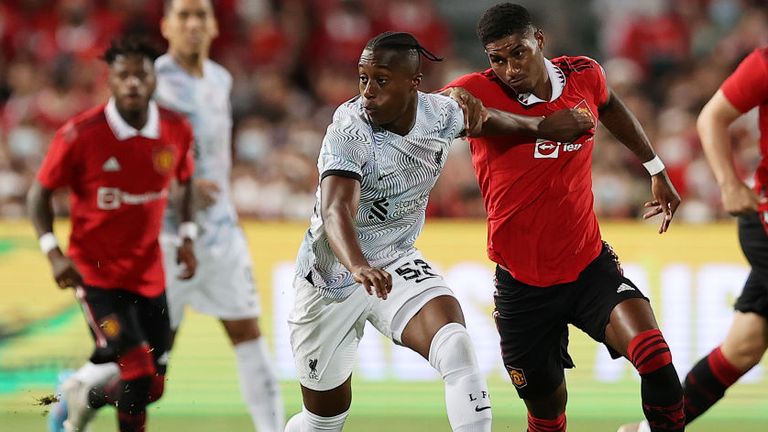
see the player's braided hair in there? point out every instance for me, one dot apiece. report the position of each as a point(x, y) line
point(131, 44)
point(503, 20)
point(400, 41)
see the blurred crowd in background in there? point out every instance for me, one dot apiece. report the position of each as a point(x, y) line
point(294, 61)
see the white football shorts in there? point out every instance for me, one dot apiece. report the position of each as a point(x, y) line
point(325, 333)
point(223, 284)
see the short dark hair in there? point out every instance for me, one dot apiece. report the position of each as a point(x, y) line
point(168, 3)
point(402, 42)
point(131, 44)
point(503, 20)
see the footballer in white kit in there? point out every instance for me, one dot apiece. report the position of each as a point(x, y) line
point(223, 286)
point(396, 174)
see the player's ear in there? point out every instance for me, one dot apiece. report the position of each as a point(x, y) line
point(417, 79)
point(215, 28)
point(164, 28)
point(539, 36)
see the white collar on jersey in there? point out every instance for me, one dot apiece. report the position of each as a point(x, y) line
point(123, 130)
point(556, 78)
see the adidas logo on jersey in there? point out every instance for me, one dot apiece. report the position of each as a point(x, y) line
point(111, 165)
point(624, 287)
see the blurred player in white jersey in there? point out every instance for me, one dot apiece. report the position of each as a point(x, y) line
point(379, 160)
point(190, 83)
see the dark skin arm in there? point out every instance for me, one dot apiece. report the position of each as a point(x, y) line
point(185, 254)
point(40, 212)
point(340, 197)
point(627, 129)
point(562, 126)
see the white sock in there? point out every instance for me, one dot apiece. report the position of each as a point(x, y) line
point(305, 421)
point(259, 386)
point(92, 374)
point(467, 400)
point(294, 423)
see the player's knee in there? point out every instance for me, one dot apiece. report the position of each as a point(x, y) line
point(744, 354)
point(451, 352)
point(156, 388)
point(649, 352)
point(136, 362)
point(466, 393)
point(549, 406)
point(244, 330)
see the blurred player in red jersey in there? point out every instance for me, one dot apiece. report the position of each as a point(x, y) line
point(553, 267)
point(747, 338)
point(119, 159)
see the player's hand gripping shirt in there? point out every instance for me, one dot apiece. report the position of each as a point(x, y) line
point(747, 88)
point(205, 103)
point(118, 179)
point(538, 193)
point(396, 174)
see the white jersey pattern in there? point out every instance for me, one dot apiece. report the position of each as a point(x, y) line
point(205, 103)
point(396, 174)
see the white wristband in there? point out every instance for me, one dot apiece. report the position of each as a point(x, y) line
point(188, 230)
point(48, 242)
point(654, 166)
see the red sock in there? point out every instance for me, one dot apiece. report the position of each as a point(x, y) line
point(545, 425)
point(722, 369)
point(707, 382)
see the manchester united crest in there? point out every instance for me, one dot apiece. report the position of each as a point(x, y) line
point(518, 376)
point(163, 159)
point(110, 326)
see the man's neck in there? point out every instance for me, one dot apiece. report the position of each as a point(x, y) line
point(136, 119)
point(193, 64)
point(543, 90)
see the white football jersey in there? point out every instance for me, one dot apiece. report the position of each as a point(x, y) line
point(396, 174)
point(205, 102)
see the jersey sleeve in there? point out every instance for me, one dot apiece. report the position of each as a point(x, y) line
point(454, 120)
point(58, 167)
point(343, 152)
point(747, 87)
point(186, 164)
point(601, 85)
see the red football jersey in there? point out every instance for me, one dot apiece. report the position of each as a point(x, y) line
point(747, 88)
point(118, 179)
point(538, 194)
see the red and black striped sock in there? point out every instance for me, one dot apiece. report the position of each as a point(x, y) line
point(661, 393)
point(545, 425)
point(707, 382)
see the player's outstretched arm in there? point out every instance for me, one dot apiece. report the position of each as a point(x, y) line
point(339, 201)
point(41, 213)
point(563, 126)
point(712, 125)
point(185, 254)
point(627, 129)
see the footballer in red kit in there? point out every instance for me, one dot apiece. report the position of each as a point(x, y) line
point(553, 268)
point(118, 160)
point(746, 342)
